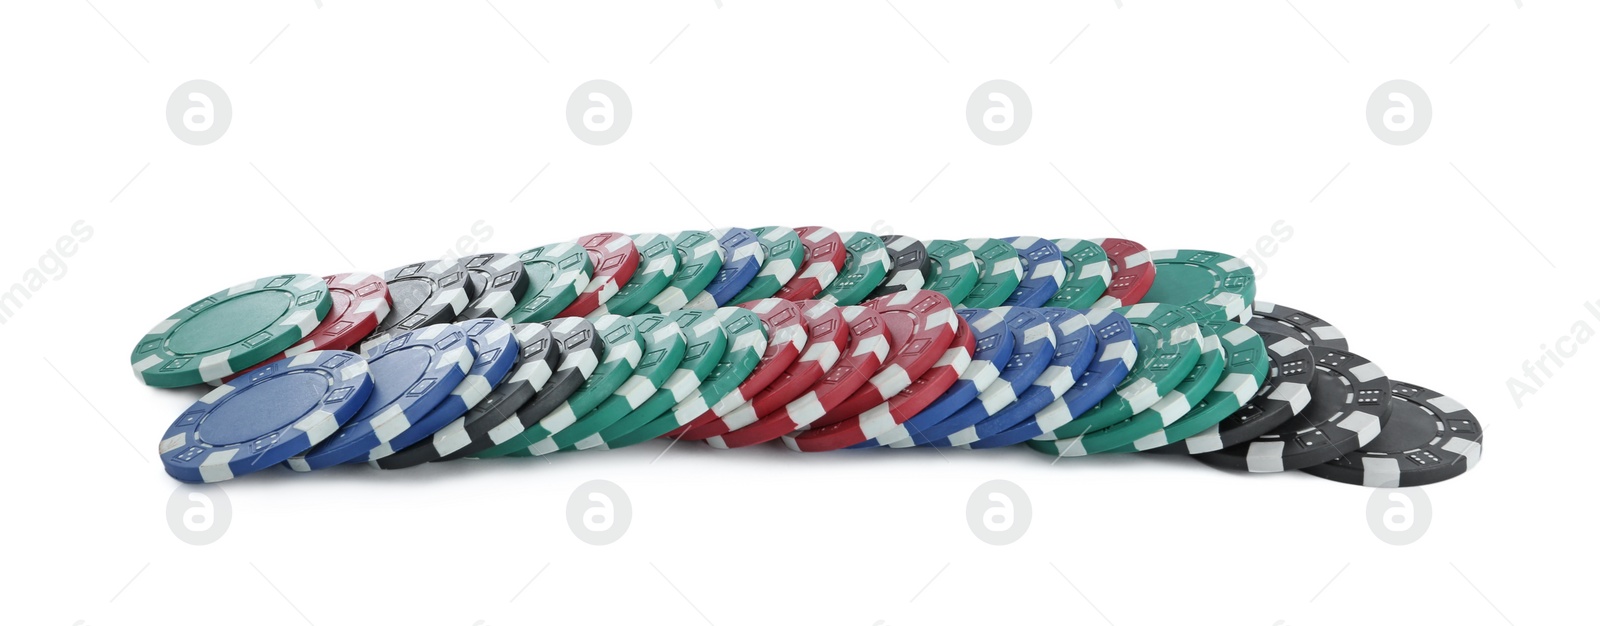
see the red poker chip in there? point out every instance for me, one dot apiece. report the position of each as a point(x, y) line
point(360, 301)
point(827, 336)
point(825, 254)
point(1132, 273)
point(869, 346)
point(615, 258)
point(909, 402)
point(922, 324)
point(786, 338)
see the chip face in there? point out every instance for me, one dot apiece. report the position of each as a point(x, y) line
point(231, 331)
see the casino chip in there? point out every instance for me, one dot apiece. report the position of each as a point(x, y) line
point(786, 338)
point(866, 263)
point(537, 358)
point(869, 345)
point(499, 282)
point(1131, 273)
point(1284, 395)
point(743, 256)
point(1309, 329)
point(1115, 351)
point(620, 357)
point(699, 261)
point(1429, 438)
point(1043, 271)
point(1245, 370)
point(231, 330)
point(784, 253)
point(423, 294)
point(359, 301)
point(953, 269)
point(1000, 271)
point(411, 375)
point(664, 346)
point(827, 336)
point(908, 266)
point(995, 342)
point(1088, 274)
point(1211, 286)
point(496, 350)
point(705, 343)
point(824, 256)
point(1350, 402)
point(277, 411)
point(556, 274)
point(658, 263)
point(1035, 344)
point(615, 259)
point(921, 325)
point(1169, 346)
point(911, 400)
point(1177, 403)
point(1074, 350)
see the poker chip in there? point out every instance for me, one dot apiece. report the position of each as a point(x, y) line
point(896, 410)
point(664, 347)
point(495, 349)
point(1169, 346)
point(1284, 395)
point(1309, 329)
point(784, 252)
point(921, 325)
point(704, 344)
point(743, 256)
point(786, 338)
point(359, 301)
point(824, 257)
point(556, 274)
point(1115, 351)
point(622, 349)
point(952, 269)
point(908, 266)
point(999, 273)
point(1175, 404)
point(231, 330)
point(615, 259)
point(995, 341)
point(537, 357)
point(699, 261)
point(658, 263)
point(1350, 402)
point(869, 346)
point(499, 282)
point(422, 294)
point(412, 374)
point(1088, 274)
point(1042, 271)
point(866, 263)
point(1074, 350)
point(1131, 273)
point(277, 411)
point(1246, 368)
point(1211, 286)
point(827, 336)
point(1034, 345)
point(1427, 439)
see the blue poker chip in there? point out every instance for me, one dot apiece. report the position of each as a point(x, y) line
point(742, 259)
point(1035, 345)
point(495, 345)
point(995, 343)
point(411, 375)
point(1113, 360)
point(272, 413)
point(1074, 351)
point(1043, 270)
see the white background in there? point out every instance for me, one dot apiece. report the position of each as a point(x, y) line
point(369, 136)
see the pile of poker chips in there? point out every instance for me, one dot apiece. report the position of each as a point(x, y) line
point(816, 339)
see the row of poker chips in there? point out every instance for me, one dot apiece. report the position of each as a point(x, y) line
point(818, 339)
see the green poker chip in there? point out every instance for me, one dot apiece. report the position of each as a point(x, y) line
point(1248, 365)
point(231, 330)
point(954, 269)
point(999, 273)
point(1209, 285)
point(784, 253)
point(866, 263)
point(705, 342)
point(700, 257)
point(664, 347)
point(1088, 274)
point(557, 273)
point(623, 349)
point(1169, 346)
point(658, 263)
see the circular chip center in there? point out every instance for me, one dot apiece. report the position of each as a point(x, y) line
point(1180, 284)
point(263, 408)
point(1410, 426)
point(229, 322)
point(408, 295)
point(394, 374)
